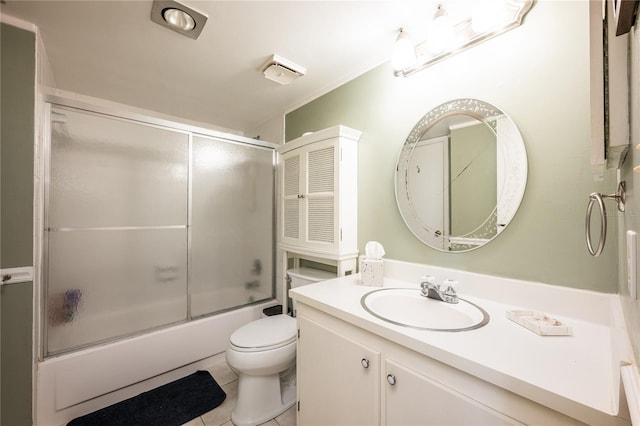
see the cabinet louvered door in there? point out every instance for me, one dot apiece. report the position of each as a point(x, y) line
point(318, 200)
point(291, 193)
point(320, 196)
point(309, 196)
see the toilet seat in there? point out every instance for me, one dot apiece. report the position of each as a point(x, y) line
point(265, 334)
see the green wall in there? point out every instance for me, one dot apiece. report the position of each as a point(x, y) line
point(539, 75)
point(17, 56)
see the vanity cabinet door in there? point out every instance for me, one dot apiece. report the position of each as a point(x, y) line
point(338, 379)
point(410, 398)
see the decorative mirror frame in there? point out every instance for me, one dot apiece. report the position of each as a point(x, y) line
point(514, 167)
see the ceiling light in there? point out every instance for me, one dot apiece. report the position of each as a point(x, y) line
point(282, 70)
point(178, 17)
point(404, 53)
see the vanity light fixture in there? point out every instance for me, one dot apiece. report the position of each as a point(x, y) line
point(178, 17)
point(445, 37)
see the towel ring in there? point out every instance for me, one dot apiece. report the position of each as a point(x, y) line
point(596, 197)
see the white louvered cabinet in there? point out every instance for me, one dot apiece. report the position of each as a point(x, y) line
point(318, 195)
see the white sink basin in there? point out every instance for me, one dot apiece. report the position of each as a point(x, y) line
point(406, 307)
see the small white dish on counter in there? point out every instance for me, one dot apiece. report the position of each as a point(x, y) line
point(539, 323)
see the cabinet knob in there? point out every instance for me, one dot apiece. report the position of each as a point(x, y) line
point(391, 379)
point(300, 195)
point(364, 362)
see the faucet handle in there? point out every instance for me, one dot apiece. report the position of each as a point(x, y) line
point(450, 285)
point(450, 290)
point(427, 281)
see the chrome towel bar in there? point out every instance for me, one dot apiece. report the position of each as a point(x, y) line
point(596, 197)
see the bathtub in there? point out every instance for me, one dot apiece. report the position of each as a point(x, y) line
point(80, 382)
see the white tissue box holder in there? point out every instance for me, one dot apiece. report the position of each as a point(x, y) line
point(371, 272)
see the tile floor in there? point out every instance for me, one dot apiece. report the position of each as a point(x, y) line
point(221, 415)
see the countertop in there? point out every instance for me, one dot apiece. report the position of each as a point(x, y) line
point(577, 375)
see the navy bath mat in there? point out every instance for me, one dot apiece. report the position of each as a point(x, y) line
point(172, 404)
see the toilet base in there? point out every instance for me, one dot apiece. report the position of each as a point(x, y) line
point(260, 399)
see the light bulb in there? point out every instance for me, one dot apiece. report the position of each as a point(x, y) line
point(179, 19)
point(441, 34)
point(404, 53)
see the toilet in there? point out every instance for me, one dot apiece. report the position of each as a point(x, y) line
point(263, 355)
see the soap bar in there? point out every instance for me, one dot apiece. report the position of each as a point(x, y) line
point(539, 323)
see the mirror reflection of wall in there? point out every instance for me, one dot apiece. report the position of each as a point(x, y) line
point(473, 177)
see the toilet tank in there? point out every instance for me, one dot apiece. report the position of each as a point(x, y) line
point(304, 275)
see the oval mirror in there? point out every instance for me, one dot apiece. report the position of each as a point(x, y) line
point(461, 175)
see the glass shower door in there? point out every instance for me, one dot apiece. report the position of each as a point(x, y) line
point(233, 222)
point(116, 230)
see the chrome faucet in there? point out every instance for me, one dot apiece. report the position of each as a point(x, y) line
point(446, 292)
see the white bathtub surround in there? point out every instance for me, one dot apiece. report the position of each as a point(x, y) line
point(81, 382)
point(577, 375)
point(631, 380)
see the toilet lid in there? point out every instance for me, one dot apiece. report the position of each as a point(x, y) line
point(275, 330)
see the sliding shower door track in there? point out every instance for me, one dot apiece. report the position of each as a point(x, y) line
point(116, 228)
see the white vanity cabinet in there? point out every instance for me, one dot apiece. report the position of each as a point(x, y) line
point(318, 194)
point(398, 387)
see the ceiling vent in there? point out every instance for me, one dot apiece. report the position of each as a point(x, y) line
point(178, 17)
point(281, 70)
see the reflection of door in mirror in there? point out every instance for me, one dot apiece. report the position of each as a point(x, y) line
point(473, 176)
point(429, 185)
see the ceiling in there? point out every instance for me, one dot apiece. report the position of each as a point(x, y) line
point(112, 50)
